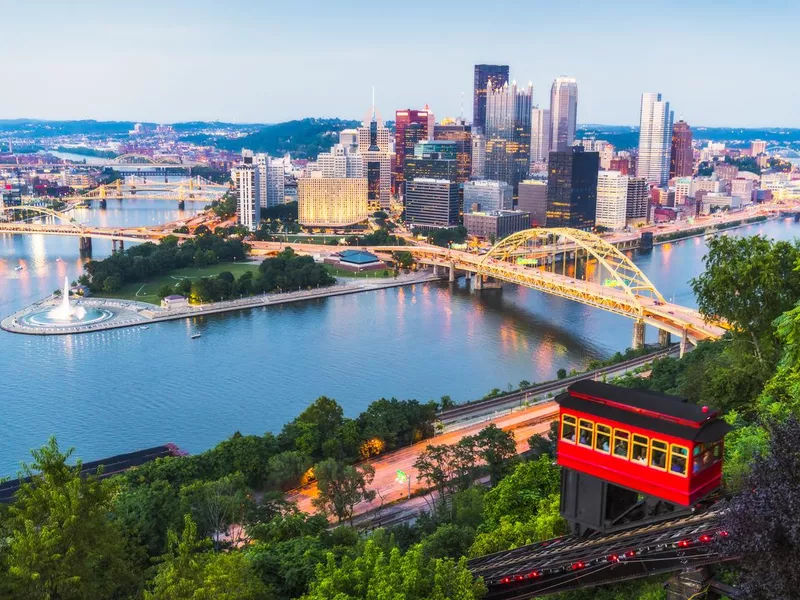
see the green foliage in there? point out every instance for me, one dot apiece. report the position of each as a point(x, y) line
point(225, 208)
point(445, 237)
point(165, 290)
point(216, 505)
point(189, 572)
point(304, 138)
point(143, 261)
point(518, 494)
point(288, 271)
point(398, 423)
point(341, 486)
point(61, 541)
point(381, 237)
point(643, 589)
point(380, 575)
point(403, 260)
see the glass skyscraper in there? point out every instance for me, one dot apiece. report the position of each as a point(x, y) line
point(486, 76)
point(572, 188)
point(655, 139)
point(508, 134)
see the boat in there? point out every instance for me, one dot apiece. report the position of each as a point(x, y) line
point(144, 327)
point(58, 259)
point(18, 268)
point(195, 336)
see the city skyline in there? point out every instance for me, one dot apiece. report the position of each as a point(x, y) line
point(186, 63)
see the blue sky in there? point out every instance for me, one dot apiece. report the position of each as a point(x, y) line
point(719, 62)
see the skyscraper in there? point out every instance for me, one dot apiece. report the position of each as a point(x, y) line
point(486, 76)
point(244, 179)
point(433, 160)
point(478, 156)
point(331, 202)
point(638, 209)
point(563, 113)
point(655, 136)
point(431, 203)
point(572, 188)
point(612, 199)
point(460, 133)
point(411, 126)
point(373, 145)
point(508, 133)
point(269, 181)
point(540, 138)
point(681, 162)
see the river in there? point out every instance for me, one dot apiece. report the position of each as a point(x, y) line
point(121, 390)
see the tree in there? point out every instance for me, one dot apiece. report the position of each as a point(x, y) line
point(309, 431)
point(544, 444)
point(524, 384)
point(561, 373)
point(165, 290)
point(761, 521)
point(341, 487)
point(516, 496)
point(496, 447)
point(189, 572)
point(749, 282)
point(61, 540)
point(112, 283)
point(216, 505)
point(403, 260)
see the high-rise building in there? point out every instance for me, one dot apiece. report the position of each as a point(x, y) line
point(460, 133)
point(435, 159)
point(269, 182)
point(431, 203)
point(638, 209)
point(244, 178)
point(411, 126)
point(486, 77)
point(758, 147)
point(496, 225)
point(331, 202)
point(533, 200)
point(612, 199)
point(487, 196)
point(508, 133)
point(342, 161)
point(540, 138)
point(682, 187)
point(572, 188)
point(621, 164)
point(563, 113)
point(374, 147)
point(681, 162)
point(478, 156)
point(655, 138)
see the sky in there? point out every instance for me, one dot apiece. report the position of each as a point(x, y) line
point(718, 62)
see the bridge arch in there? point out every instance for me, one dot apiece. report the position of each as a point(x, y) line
point(45, 211)
point(624, 272)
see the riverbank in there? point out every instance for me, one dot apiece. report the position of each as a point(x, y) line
point(711, 228)
point(129, 313)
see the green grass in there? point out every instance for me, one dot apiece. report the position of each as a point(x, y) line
point(147, 291)
point(366, 274)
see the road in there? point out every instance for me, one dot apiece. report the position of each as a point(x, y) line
point(523, 423)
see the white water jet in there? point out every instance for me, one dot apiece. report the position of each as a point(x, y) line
point(65, 312)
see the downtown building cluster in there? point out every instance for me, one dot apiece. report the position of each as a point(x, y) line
point(516, 165)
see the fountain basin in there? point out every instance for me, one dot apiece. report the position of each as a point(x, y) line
point(90, 315)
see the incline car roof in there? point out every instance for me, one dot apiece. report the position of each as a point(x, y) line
point(671, 415)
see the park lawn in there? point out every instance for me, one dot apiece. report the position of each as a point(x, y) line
point(366, 274)
point(147, 291)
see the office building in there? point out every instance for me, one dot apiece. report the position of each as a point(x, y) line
point(612, 199)
point(374, 148)
point(743, 188)
point(486, 77)
point(487, 196)
point(478, 156)
point(572, 188)
point(655, 139)
point(269, 181)
point(683, 188)
point(460, 133)
point(244, 178)
point(540, 139)
point(341, 161)
point(411, 126)
point(681, 162)
point(496, 225)
point(349, 138)
point(563, 113)
point(331, 202)
point(508, 133)
point(533, 200)
point(712, 203)
point(758, 147)
point(431, 203)
point(623, 165)
point(435, 159)
point(638, 201)
point(726, 173)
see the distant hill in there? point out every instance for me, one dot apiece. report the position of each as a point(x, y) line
point(624, 137)
point(303, 139)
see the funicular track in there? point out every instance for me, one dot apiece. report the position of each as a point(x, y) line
point(570, 563)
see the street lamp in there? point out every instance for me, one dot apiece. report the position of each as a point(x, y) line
point(402, 477)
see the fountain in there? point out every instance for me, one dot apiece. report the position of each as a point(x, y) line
point(64, 312)
point(65, 317)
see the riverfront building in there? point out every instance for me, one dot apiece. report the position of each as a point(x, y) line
point(487, 196)
point(533, 200)
point(331, 202)
point(638, 201)
point(497, 224)
point(612, 199)
point(244, 179)
point(572, 188)
point(431, 203)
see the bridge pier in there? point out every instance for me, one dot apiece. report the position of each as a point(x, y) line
point(122, 245)
point(85, 245)
point(684, 340)
point(477, 282)
point(452, 273)
point(664, 338)
point(638, 335)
